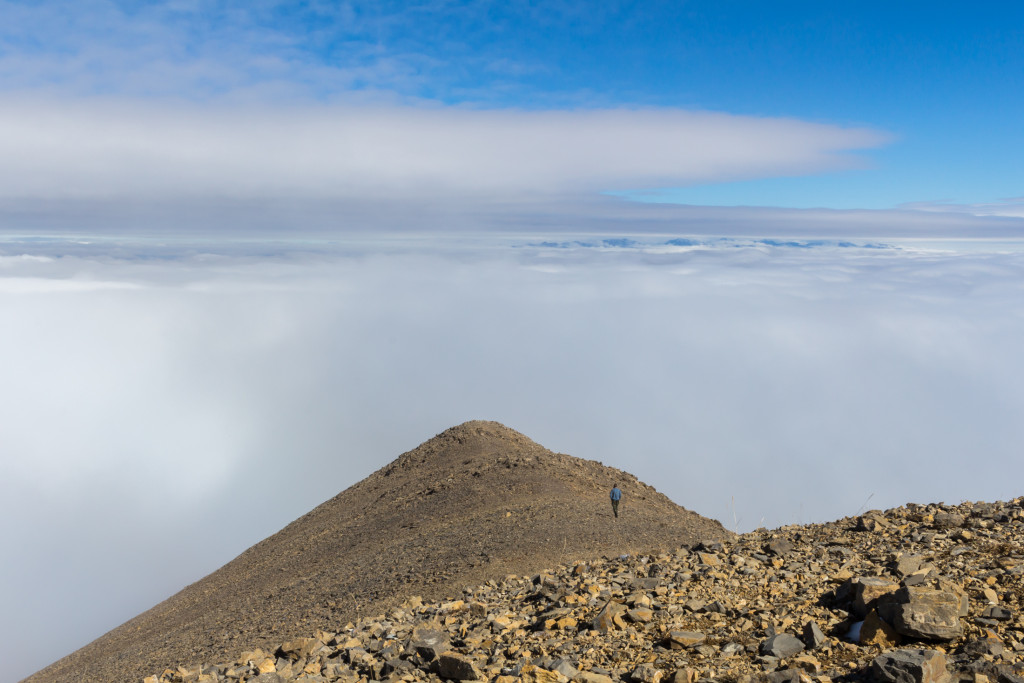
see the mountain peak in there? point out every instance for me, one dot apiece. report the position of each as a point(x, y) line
point(476, 502)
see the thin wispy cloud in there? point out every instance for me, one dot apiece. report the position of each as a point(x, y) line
point(1005, 208)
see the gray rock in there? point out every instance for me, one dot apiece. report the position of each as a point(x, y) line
point(695, 604)
point(871, 520)
point(565, 667)
point(911, 666)
point(647, 673)
point(998, 613)
point(948, 520)
point(782, 645)
point(269, 677)
point(867, 590)
point(925, 613)
point(732, 649)
point(456, 667)
point(591, 677)
point(906, 565)
point(784, 676)
point(779, 546)
point(812, 635)
point(984, 646)
point(610, 617)
point(677, 640)
point(1009, 677)
point(428, 643)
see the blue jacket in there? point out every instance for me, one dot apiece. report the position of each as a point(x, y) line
point(616, 493)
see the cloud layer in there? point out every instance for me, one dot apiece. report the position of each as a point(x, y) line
point(132, 150)
point(171, 403)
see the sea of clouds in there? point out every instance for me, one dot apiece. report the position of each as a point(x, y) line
point(169, 403)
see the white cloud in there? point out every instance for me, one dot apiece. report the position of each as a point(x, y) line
point(118, 149)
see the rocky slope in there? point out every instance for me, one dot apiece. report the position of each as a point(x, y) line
point(921, 593)
point(477, 501)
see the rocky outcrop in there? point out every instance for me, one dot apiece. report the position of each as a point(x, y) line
point(909, 601)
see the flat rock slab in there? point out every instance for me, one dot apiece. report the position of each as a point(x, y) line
point(678, 640)
point(782, 645)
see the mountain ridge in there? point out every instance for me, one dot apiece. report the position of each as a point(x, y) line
point(916, 594)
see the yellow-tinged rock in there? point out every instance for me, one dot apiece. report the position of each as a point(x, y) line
point(807, 663)
point(266, 665)
point(874, 631)
point(535, 674)
point(685, 675)
point(567, 623)
point(710, 559)
point(640, 615)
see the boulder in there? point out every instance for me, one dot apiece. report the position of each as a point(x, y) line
point(911, 666)
point(924, 613)
point(781, 645)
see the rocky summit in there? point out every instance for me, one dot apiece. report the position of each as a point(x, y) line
point(917, 594)
point(476, 502)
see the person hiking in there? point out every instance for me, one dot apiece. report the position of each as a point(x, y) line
point(616, 496)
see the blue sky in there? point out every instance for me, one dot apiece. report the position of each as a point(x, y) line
point(939, 85)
